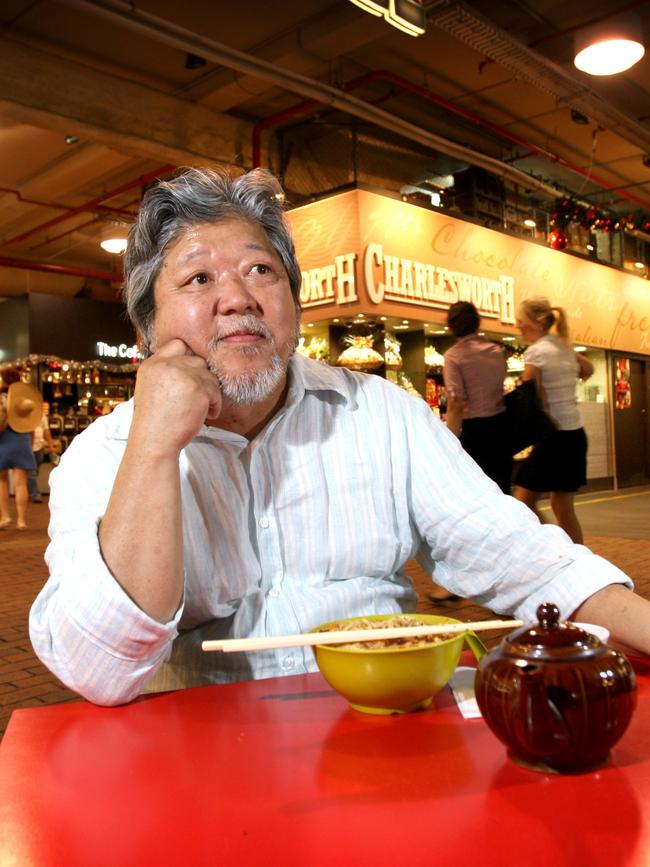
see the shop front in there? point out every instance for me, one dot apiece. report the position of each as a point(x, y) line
point(80, 353)
point(379, 275)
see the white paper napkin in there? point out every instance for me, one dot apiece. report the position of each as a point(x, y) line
point(462, 687)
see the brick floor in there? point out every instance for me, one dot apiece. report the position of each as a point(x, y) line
point(24, 682)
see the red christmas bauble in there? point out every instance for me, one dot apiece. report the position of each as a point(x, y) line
point(557, 239)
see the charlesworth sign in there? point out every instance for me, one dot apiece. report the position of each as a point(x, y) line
point(361, 252)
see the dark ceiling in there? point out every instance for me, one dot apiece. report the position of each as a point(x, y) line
point(97, 98)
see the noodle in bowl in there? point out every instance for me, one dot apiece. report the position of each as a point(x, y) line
point(395, 675)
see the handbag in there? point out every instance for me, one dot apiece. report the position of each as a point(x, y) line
point(527, 421)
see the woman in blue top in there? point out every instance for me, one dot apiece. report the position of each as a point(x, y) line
point(557, 464)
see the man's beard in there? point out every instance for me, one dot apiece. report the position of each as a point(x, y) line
point(250, 386)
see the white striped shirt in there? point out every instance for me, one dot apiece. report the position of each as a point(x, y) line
point(312, 520)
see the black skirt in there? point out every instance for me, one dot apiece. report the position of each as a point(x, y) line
point(557, 463)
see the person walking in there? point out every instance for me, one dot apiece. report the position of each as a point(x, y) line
point(557, 464)
point(474, 371)
point(15, 451)
point(42, 444)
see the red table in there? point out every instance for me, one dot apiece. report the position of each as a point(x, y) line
point(282, 772)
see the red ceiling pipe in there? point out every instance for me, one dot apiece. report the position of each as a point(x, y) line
point(63, 234)
point(78, 228)
point(28, 201)
point(25, 264)
point(138, 182)
point(425, 93)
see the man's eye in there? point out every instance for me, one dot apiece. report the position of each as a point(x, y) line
point(261, 269)
point(201, 278)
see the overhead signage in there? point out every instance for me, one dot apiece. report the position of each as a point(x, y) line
point(393, 278)
point(121, 350)
point(361, 252)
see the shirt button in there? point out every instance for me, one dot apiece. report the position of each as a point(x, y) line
point(274, 593)
point(264, 523)
point(288, 662)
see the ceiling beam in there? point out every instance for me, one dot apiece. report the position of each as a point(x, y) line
point(50, 92)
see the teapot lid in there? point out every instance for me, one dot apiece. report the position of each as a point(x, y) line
point(551, 639)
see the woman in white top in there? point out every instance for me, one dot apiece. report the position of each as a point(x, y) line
point(557, 464)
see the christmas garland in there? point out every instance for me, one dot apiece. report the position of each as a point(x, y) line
point(55, 363)
point(592, 217)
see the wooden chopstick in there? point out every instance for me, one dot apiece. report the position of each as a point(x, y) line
point(345, 636)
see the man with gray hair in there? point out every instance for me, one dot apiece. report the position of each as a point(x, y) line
point(249, 491)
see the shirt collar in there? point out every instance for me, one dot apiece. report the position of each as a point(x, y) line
point(306, 374)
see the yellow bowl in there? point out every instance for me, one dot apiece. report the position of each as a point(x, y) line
point(393, 679)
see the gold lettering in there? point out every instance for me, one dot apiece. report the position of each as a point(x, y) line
point(432, 293)
point(477, 292)
point(305, 288)
point(328, 275)
point(407, 278)
point(507, 299)
point(452, 287)
point(420, 287)
point(391, 275)
point(373, 256)
point(464, 285)
point(346, 283)
point(627, 319)
point(316, 280)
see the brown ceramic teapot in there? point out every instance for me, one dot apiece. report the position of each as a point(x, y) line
point(555, 695)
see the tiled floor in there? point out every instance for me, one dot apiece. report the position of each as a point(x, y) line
point(616, 526)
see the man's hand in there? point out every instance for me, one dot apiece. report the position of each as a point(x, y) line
point(174, 394)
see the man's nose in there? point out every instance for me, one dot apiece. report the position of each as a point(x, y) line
point(234, 296)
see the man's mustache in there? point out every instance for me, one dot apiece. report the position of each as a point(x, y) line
point(248, 324)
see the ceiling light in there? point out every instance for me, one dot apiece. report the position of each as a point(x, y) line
point(378, 9)
point(405, 321)
point(609, 47)
point(530, 223)
point(580, 348)
point(113, 245)
point(408, 16)
point(509, 338)
point(639, 265)
point(591, 248)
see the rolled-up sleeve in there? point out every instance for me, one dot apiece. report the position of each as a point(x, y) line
point(484, 545)
point(83, 626)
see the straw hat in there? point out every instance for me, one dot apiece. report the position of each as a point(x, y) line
point(24, 407)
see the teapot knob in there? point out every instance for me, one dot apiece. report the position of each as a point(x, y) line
point(548, 614)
